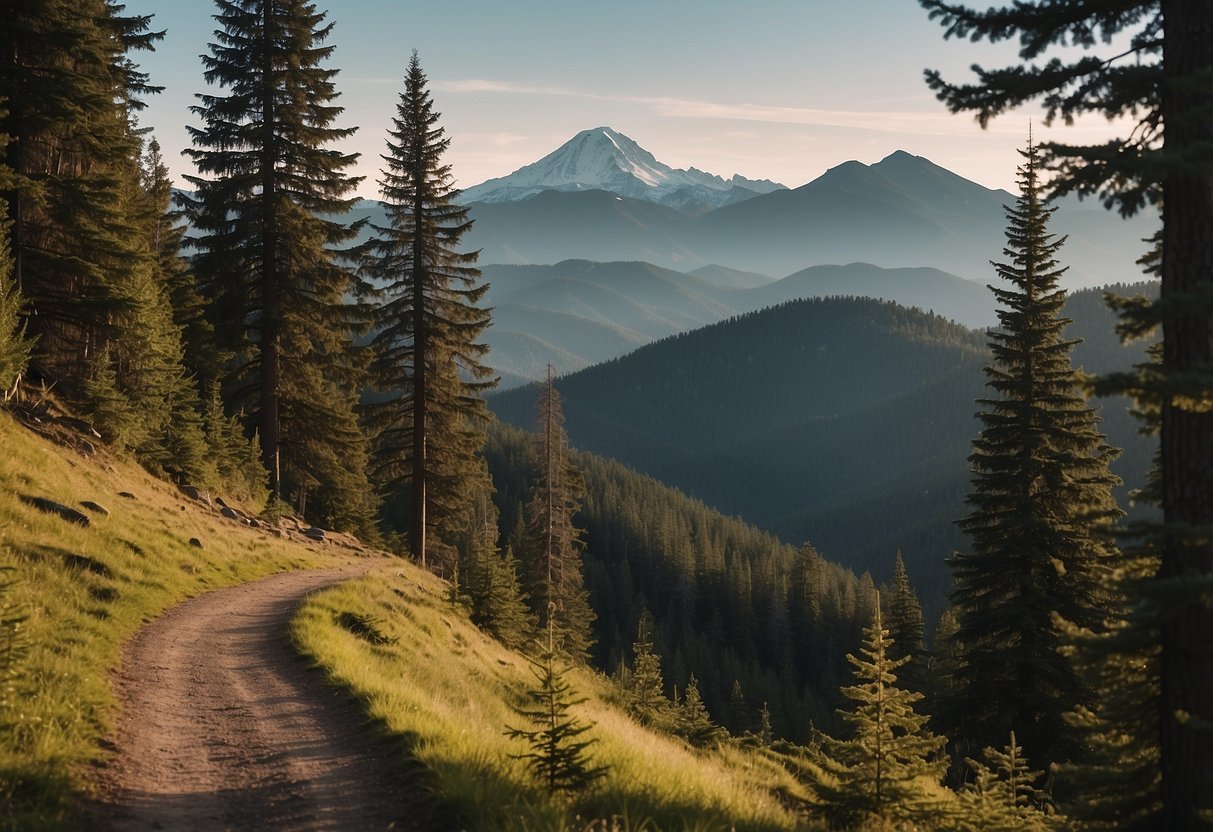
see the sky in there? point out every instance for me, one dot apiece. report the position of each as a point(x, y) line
point(769, 89)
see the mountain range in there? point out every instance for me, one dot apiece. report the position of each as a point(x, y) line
point(605, 159)
point(602, 197)
point(577, 313)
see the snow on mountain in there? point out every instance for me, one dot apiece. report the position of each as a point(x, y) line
point(604, 159)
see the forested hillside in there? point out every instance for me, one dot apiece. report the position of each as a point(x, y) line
point(730, 603)
point(845, 422)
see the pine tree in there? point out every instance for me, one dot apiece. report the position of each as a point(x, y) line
point(555, 543)
point(558, 754)
point(878, 774)
point(15, 348)
point(904, 618)
point(693, 720)
point(1002, 795)
point(266, 233)
point(71, 91)
point(428, 355)
point(1154, 78)
point(1041, 490)
point(645, 687)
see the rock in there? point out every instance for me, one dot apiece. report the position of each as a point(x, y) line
point(313, 533)
point(96, 508)
point(195, 493)
point(230, 513)
point(126, 495)
point(220, 502)
point(51, 507)
point(254, 523)
point(196, 543)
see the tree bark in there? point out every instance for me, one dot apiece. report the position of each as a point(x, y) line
point(271, 315)
point(1186, 752)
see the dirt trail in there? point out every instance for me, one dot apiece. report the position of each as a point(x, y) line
point(224, 726)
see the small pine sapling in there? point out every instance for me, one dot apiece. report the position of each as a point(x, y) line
point(557, 754)
point(1002, 796)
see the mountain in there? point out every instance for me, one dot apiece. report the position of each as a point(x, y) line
point(846, 422)
point(604, 159)
point(902, 211)
point(577, 313)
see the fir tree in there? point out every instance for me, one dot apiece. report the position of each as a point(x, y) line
point(1155, 79)
point(693, 720)
point(645, 687)
point(266, 230)
point(904, 618)
point(879, 773)
point(428, 355)
point(1002, 795)
point(555, 543)
point(71, 90)
point(15, 348)
point(558, 755)
point(1041, 490)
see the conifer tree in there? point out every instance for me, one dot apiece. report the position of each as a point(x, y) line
point(1041, 490)
point(1002, 795)
point(558, 754)
point(878, 774)
point(71, 91)
point(645, 687)
point(555, 543)
point(15, 348)
point(1153, 76)
point(693, 720)
point(428, 353)
point(492, 585)
point(267, 233)
point(906, 628)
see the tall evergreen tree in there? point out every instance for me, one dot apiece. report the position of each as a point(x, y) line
point(1153, 73)
point(428, 355)
point(555, 543)
point(15, 347)
point(266, 230)
point(906, 627)
point(71, 91)
point(878, 774)
point(1041, 487)
point(645, 687)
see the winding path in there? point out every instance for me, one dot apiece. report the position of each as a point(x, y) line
point(224, 726)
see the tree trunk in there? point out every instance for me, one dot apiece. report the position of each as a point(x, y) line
point(271, 315)
point(1187, 436)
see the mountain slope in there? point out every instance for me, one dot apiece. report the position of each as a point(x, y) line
point(846, 422)
point(604, 159)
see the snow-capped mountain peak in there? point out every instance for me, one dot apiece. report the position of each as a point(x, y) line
point(605, 159)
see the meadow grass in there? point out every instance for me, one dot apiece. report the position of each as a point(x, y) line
point(85, 591)
point(446, 690)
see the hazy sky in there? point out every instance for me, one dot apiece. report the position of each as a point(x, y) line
point(770, 89)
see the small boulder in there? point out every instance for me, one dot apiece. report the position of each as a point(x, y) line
point(95, 508)
point(254, 522)
point(51, 507)
point(219, 501)
point(230, 513)
point(195, 493)
point(314, 533)
point(126, 495)
point(196, 543)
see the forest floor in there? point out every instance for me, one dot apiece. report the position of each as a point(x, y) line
point(224, 726)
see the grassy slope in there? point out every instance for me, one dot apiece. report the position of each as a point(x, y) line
point(83, 593)
point(444, 687)
point(447, 689)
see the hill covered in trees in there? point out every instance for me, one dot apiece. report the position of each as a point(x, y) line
point(842, 421)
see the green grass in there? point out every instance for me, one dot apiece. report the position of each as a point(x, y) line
point(83, 592)
point(432, 679)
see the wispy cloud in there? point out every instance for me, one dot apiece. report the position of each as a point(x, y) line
point(932, 122)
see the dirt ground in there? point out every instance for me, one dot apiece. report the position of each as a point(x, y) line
point(224, 726)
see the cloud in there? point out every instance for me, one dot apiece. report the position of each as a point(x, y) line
point(933, 122)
